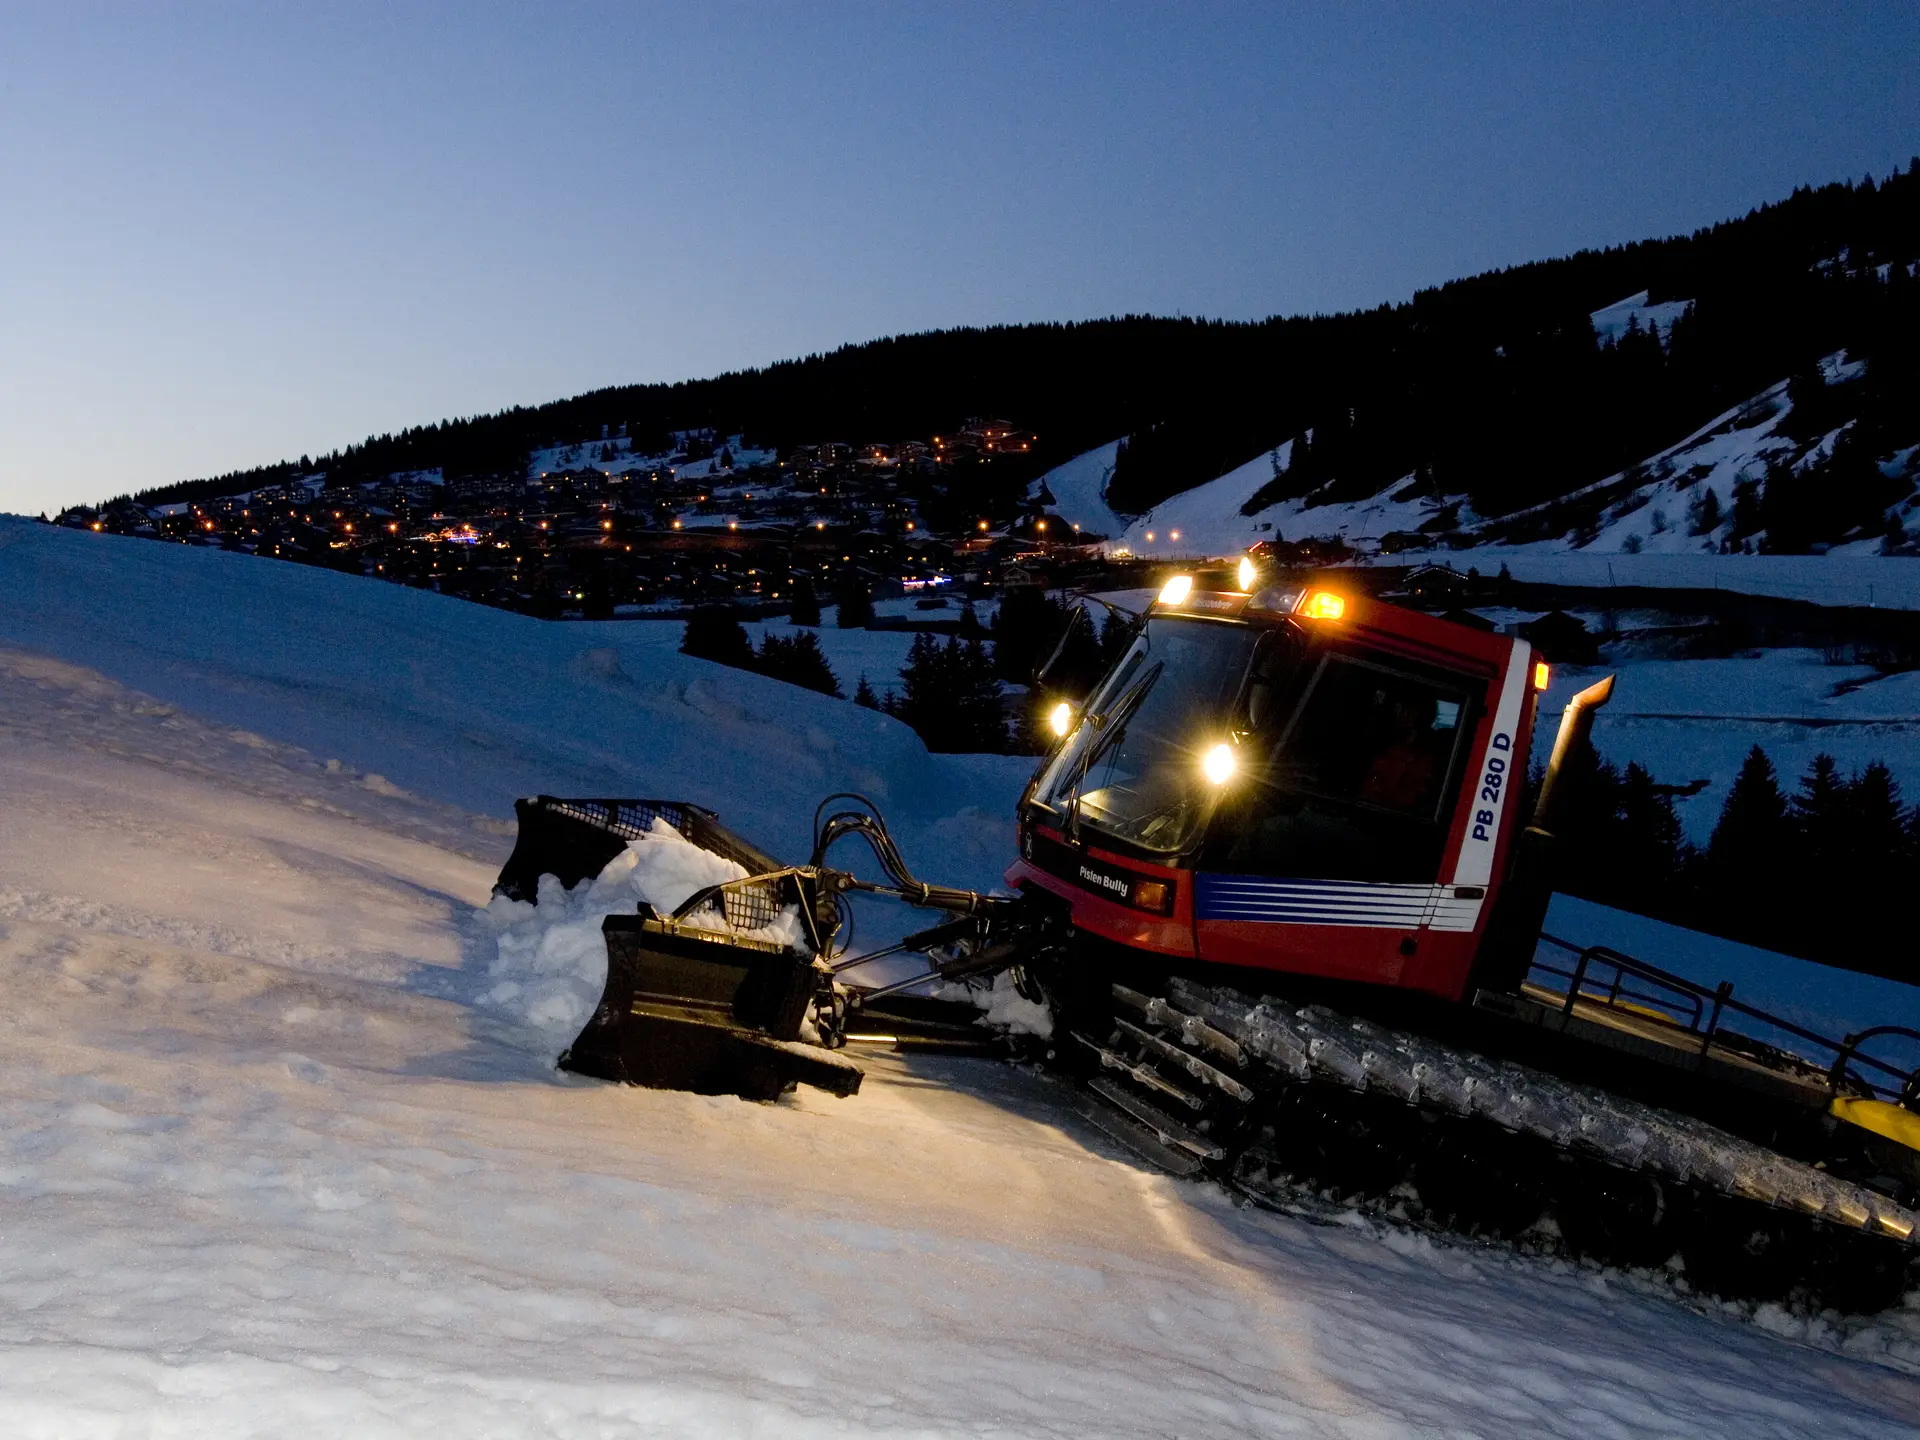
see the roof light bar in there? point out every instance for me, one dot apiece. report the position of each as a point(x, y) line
point(1324, 605)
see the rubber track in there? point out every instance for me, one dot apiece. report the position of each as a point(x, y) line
point(1382, 1095)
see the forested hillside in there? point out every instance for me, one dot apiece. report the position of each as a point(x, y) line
point(1496, 387)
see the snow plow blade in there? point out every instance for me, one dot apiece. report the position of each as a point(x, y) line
point(716, 996)
point(573, 840)
point(693, 1001)
point(692, 1010)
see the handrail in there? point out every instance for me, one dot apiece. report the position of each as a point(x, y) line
point(1707, 1024)
point(1849, 1050)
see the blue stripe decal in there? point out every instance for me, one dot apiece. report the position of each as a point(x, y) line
point(1311, 902)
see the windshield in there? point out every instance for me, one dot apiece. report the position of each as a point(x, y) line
point(1131, 769)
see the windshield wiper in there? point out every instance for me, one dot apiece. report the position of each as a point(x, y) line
point(1113, 724)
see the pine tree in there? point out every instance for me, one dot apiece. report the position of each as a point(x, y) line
point(1116, 634)
point(1650, 854)
point(806, 603)
point(924, 693)
point(1026, 627)
point(983, 719)
point(855, 601)
point(1747, 516)
point(1703, 516)
point(951, 696)
point(1878, 869)
point(1820, 814)
point(1750, 855)
point(1876, 826)
point(717, 634)
point(798, 661)
point(807, 665)
point(1586, 818)
point(863, 695)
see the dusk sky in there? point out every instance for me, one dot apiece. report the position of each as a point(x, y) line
point(230, 235)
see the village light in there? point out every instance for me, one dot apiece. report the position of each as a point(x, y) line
point(983, 524)
point(1176, 590)
point(1149, 537)
point(1060, 720)
point(1219, 763)
point(1175, 535)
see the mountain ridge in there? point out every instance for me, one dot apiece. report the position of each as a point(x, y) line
point(1462, 389)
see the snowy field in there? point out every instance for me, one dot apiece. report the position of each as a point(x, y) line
point(272, 1164)
point(1832, 1003)
point(1887, 582)
point(1697, 719)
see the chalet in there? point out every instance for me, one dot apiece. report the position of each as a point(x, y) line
point(1561, 638)
point(1434, 585)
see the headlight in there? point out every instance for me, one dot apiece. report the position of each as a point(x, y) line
point(1249, 572)
point(1176, 590)
point(1218, 764)
point(1060, 718)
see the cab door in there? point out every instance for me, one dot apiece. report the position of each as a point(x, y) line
point(1328, 860)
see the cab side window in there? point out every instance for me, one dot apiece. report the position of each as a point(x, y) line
point(1359, 780)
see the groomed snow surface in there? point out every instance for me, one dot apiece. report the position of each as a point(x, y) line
point(277, 1156)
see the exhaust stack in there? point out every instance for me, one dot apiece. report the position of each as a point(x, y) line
point(1514, 929)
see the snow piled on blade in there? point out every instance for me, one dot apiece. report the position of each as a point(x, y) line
point(551, 961)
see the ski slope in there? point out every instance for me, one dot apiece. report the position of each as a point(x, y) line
point(1079, 491)
point(270, 1165)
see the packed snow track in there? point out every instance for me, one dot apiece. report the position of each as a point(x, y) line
point(272, 1164)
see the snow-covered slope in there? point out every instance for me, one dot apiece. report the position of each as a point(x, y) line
point(476, 706)
point(1658, 509)
point(1079, 490)
point(270, 1164)
point(1207, 519)
point(1611, 322)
